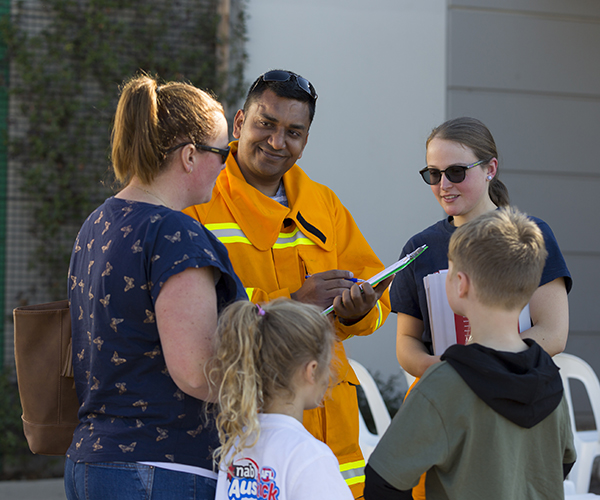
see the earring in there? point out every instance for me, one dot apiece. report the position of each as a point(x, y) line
point(489, 177)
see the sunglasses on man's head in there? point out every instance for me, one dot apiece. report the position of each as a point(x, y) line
point(455, 173)
point(278, 75)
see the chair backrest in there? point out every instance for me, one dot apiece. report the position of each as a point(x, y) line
point(409, 379)
point(587, 443)
point(380, 413)
point(573, 367)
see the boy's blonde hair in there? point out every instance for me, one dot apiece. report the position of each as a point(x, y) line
point(503, 252)
point(257, 355)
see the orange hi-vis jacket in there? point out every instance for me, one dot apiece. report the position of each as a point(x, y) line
point(273, 248)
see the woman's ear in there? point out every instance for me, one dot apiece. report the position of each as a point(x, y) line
point(187, 157)
point(492, 168)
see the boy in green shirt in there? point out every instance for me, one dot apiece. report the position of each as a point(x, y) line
point(489, 421)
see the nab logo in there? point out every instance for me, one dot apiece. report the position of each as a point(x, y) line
point(247, 483)
point(245, 471)
point(242, 476)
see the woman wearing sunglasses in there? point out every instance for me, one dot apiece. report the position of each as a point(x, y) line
point(146, 284)
point(462, 171)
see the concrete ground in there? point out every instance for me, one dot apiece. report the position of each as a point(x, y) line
point(40, 489)
point(53, 489)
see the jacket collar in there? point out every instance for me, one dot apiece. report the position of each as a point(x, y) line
point(261, 218)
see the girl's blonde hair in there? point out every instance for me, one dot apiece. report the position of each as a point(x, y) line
point(152, 118)
point(259, 350)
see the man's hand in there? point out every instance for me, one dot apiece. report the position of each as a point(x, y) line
point(320, 289)
point(351, 301)
point(355, 304)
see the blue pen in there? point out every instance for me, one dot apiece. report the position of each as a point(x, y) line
point(388, 271)
point(354, 280)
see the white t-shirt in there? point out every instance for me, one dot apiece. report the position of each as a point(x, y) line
point(287, 463)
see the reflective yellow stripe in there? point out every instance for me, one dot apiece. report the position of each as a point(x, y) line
point(295, 238)
point(352, 465)
point(353, 472)
point(229, 232)
point(380, 317)
point(249, 292)
point(233, 239)
point(355, 480)
point(221, 225)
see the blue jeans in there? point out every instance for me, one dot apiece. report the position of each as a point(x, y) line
point(133, 481)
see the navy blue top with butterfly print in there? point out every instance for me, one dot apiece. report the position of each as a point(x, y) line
point(131, 408)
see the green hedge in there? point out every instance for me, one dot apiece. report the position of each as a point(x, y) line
point(68, 59)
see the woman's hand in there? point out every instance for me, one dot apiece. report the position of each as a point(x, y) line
point(549, 310)
point(410, 349)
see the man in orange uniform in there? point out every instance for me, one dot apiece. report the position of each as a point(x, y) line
point(288, 236)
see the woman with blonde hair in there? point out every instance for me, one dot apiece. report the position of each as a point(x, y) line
point(272, 362)
point(146, 283)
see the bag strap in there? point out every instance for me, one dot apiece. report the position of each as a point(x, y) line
point(67, 370)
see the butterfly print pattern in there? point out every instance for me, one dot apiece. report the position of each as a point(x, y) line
point(131, 409)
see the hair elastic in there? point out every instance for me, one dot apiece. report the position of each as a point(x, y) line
point(261, 311)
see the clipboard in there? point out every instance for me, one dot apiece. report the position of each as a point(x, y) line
point(396, 267)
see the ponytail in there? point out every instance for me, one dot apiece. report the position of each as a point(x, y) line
point(499, 192)
point(135, 137)
point(234, 370)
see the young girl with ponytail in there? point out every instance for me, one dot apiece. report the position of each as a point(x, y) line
point(272, 362)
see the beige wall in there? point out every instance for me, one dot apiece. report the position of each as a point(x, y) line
point(387, 71)
point(531, 71)
point(379, 70)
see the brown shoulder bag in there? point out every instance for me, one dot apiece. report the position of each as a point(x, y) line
point(45, 376)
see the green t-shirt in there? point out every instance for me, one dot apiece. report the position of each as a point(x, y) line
point(469, 451)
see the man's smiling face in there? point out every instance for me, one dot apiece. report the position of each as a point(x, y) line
point(272, 135)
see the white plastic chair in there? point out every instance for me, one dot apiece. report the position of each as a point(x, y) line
point(571, 494)
point(381, 416)
point(409, 379)
point(587, 443)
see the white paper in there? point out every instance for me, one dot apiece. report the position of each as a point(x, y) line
point(448, 328)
